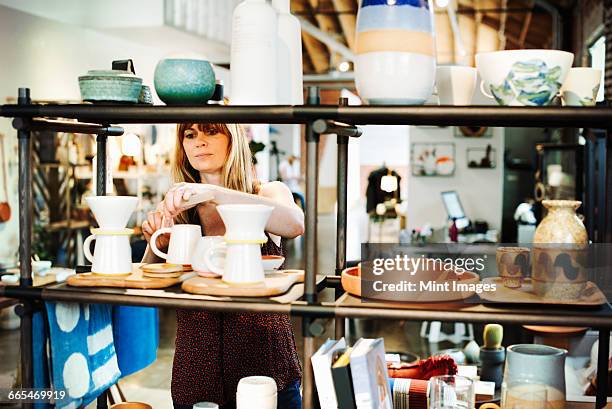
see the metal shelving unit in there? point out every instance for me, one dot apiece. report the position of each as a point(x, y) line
point(318, 119)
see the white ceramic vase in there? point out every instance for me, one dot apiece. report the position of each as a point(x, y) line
point(253, 60)
point(290, 84)
point(395, 51)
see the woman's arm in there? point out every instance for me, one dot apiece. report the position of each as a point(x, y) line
point(287, 219)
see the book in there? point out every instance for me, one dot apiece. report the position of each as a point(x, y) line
point(321, 367)
point(341, 375)
point(369, 375)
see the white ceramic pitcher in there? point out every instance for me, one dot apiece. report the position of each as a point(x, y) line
point(244, 234)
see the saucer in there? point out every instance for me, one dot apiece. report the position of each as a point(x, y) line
point(162, 268)
point(272, 262)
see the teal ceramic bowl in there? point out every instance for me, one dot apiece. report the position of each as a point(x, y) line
point(184, 81)
point(110, 86)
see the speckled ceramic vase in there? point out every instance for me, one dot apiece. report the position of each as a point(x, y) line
point(559, 252)
point(184, 81)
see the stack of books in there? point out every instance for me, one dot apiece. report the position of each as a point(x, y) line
point(352, 377)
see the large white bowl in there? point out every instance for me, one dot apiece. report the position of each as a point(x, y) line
point(523, 77)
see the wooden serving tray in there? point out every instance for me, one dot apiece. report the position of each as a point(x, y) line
point(351, 283)
point(275, 283)
point(134, 280)
point(591, 296)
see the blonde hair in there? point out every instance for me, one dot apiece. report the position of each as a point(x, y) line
point(238, 172)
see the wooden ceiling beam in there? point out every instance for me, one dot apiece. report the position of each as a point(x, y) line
point(326, 22)
point(526, 24)
point(316, 50)
point(348, 22)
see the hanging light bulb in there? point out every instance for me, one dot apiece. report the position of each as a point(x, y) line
point(442, 3)
point(344, 66)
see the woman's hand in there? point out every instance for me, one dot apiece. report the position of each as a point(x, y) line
point(177, 199)
point(154, 222)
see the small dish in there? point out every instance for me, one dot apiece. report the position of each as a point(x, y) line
point(272, 262)
point(41, 267)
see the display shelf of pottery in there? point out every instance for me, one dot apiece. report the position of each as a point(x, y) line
point(492, 354)
point(559, 252)
point(184, 81)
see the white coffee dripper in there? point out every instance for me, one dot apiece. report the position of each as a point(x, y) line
point(113, 254)
point(244, 234)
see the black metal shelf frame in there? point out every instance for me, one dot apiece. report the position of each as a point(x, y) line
point(318, 119)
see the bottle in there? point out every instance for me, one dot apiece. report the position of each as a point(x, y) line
point(253, 60)
point(290, 84)
point(453, 232)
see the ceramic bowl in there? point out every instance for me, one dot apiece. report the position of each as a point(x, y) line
point(272, 262)
point(184, 81)
point(523, 77)
point(110, 86)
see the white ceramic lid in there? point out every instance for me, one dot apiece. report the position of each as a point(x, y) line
point(257, 386)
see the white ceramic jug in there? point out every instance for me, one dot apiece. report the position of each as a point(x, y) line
point(112, 255)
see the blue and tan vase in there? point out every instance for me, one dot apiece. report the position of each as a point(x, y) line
point(395, 51)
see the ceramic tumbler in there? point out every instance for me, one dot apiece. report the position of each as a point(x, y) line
point(256, 392)
point(455, 84)
point(581, 86)
point(512, 265)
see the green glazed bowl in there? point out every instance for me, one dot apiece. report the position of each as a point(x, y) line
point(110, 86)
point(184, 81)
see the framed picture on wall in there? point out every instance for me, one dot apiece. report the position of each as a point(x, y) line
point(432, 159)
point(481, 158)
point(473, 132)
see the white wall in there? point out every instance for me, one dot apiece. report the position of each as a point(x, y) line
point(48, 56)
point(95, 13)
point(480, 190)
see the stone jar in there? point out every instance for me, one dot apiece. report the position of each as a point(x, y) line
point(560, 252)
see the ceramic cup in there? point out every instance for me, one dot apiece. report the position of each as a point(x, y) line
point(523, 77)
point(455, 84)
point(512, 265)
point(183, 241)
point(581, 86)
point(256, 392)
point(204, 244)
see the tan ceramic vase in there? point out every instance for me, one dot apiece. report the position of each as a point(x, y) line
point(559, 252)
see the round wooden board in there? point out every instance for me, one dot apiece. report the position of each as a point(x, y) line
point(274, 284)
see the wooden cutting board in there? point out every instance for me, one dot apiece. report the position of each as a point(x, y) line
point(274, 284)
point(591, 296)
point(134, 280)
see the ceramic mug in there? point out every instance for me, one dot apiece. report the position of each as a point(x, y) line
point(112, 255)
point(241, 262)
point(455, 84)
point(204, 244)
point(183, 241)
point(581, 86)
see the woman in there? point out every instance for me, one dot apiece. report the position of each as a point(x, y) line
point(215, 350)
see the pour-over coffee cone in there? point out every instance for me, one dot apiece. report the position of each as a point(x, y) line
point(112, 212)
point(245, 222)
